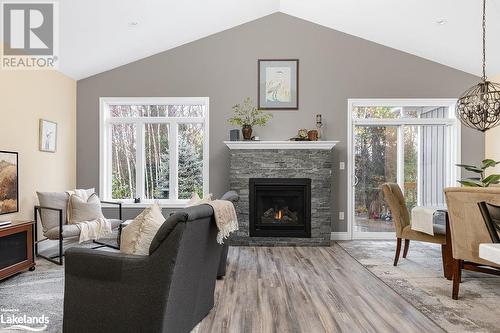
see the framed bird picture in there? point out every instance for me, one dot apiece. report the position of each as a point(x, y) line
point(278, 81)
point(48, 136)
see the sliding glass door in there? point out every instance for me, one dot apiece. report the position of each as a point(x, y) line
point(375, 163)
point(415, 146)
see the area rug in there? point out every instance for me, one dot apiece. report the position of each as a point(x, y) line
point(34, 294)
point(419, 279)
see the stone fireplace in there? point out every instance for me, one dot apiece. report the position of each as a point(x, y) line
point(285, 192)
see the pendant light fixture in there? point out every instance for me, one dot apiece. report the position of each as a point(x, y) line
point(479, 107)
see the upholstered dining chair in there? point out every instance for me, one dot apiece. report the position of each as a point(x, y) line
point(401, 218)
point(468, 230)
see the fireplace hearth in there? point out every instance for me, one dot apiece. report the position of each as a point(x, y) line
point(280, 207)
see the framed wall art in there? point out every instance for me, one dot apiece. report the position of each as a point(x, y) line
point(48, 136)
point(9, 183)
point(278, 84)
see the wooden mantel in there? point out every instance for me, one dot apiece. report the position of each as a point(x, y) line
point(321, 145)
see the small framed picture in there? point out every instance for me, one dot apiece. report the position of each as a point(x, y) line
point(278, 81)
point(48, 136)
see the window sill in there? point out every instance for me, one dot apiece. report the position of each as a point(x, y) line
point(172, 205)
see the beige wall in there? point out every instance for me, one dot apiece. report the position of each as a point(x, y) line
point(492, 139)
point(25, 97)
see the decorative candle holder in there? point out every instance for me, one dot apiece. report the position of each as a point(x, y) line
point(319, 124)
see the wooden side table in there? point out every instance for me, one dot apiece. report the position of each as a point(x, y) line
point(16, 248)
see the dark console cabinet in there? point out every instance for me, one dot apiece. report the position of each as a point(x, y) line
point(16, 248)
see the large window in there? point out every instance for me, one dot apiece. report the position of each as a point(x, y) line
point(154, 149)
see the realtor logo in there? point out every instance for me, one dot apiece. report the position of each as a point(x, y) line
point(14, 320)
point(30, 35)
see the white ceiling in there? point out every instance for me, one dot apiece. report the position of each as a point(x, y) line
point(410, 26)
point(96, 35)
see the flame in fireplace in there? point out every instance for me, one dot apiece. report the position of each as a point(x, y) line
point(278, 215)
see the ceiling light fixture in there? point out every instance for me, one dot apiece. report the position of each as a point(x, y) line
point(479, 107)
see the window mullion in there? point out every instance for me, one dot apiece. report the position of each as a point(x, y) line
point(139, 165)
point(401, 157)
point(174, 159)
point(206, 147)
point(108, 180)
point(420, 163)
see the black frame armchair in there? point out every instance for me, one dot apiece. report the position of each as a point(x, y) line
point(59, 256)
point(37, 210)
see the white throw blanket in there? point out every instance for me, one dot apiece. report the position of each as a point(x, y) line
point(94, 229)
point(225, 218)
point(422, 219)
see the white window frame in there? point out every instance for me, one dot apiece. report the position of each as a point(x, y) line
point(454, 136)
point(105, 151)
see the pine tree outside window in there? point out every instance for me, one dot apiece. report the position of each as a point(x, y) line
point(153, 149)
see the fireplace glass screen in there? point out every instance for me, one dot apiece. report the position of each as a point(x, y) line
point(280, 207)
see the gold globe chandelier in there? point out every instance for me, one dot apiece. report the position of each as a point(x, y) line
point(479, 107)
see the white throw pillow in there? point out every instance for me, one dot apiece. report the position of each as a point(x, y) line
point(83, 193)
point(138, 235)
point(196, 200)
point(80, 210)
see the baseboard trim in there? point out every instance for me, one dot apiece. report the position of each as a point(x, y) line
point(340, 236)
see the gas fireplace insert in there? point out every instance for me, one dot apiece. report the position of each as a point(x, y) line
point(280, 207)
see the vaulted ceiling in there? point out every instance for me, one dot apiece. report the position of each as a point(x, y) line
point(100, 35)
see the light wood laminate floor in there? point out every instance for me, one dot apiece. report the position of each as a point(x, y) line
point(306, 289)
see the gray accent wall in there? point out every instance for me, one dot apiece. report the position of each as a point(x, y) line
point(333, 68)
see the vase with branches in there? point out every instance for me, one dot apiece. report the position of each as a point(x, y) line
point(482, 180)
point(246, 115)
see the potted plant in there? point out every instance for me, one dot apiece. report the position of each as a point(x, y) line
point(246, 116)
point(480, 181)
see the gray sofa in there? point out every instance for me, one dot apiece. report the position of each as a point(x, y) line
point(171, 290)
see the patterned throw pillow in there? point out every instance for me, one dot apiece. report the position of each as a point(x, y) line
point(138, 235)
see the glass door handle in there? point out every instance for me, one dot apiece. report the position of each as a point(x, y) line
point(356, 180)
